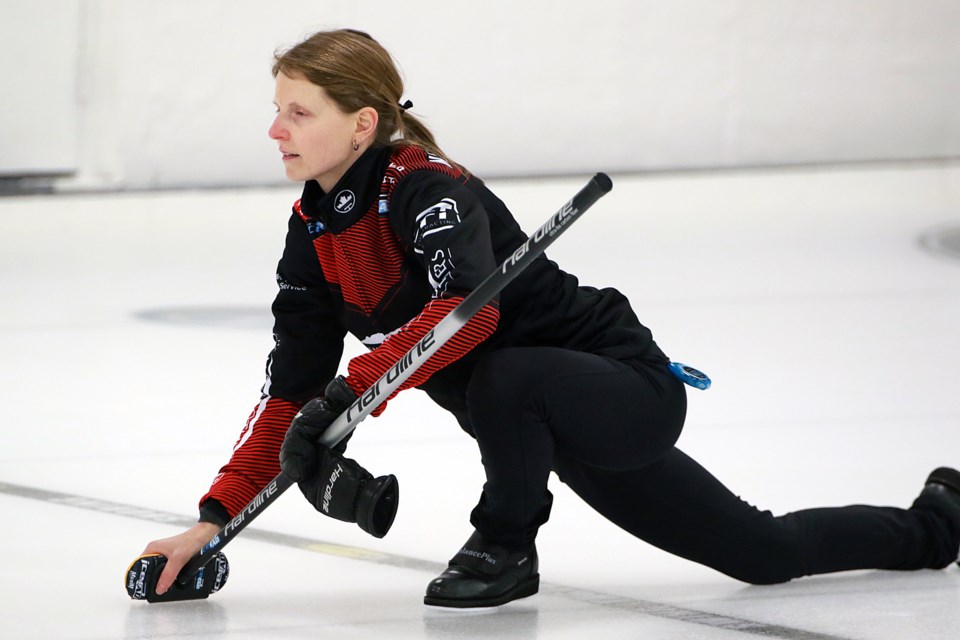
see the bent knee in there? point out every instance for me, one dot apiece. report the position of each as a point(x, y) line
point(763, 576)
point(775, 565)
point(773, 551)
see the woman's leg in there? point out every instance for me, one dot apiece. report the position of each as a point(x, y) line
point(678, 506)
point(526, 406)
point(529, 405)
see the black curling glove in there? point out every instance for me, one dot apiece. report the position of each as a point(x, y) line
point(300, 452)
point(336, 486)
point(344, 490)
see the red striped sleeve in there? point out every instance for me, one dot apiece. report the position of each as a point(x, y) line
point(256, 455)
point(367, 368)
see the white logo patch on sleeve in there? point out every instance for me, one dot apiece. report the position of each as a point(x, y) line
point(440, 217)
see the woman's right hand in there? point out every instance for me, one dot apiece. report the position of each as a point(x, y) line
point(179, 549)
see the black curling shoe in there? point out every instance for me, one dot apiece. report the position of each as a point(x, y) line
point(485, 575)
point(943, 484)
point(943, 488)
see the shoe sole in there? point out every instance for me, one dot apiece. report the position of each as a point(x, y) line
point(523, 590)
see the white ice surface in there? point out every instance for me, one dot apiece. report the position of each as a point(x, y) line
point(832, 338)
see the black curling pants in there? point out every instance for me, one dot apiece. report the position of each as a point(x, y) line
point(608, 431)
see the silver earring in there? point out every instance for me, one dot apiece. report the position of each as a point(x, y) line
point(356, 145)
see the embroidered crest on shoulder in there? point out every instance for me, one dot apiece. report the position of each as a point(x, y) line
point(442, 216)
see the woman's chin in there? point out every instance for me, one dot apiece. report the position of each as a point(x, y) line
point(294, 175)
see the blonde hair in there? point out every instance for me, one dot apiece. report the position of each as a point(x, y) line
point(356, 72)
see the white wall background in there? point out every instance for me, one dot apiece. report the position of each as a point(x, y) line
point(179, 93)
point(38, 94)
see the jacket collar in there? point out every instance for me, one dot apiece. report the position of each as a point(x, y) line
point(353, 194)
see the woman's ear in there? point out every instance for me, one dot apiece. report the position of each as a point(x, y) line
point(367, 120)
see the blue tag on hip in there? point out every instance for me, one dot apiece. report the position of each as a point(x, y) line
point(690, 376)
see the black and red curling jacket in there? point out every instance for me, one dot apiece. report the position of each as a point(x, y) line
point(399, 241)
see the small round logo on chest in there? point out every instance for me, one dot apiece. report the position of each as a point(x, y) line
point(344, 201)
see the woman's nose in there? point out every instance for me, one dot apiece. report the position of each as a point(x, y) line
point(276, 132)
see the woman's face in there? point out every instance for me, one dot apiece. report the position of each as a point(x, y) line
point(314, 136)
